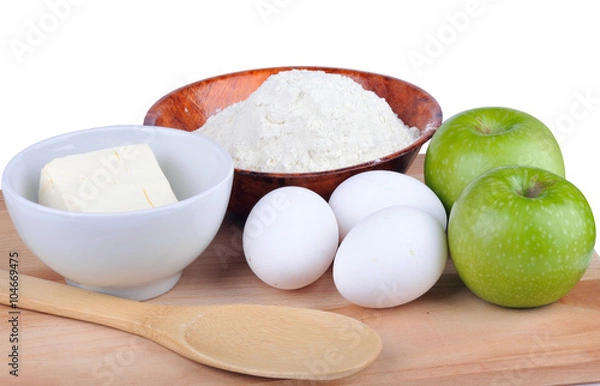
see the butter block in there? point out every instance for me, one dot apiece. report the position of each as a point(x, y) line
point(118, 179)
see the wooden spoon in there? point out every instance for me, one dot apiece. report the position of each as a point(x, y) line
point(267, 341)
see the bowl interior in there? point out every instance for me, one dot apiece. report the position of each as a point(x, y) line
point(178, 154)
point(187, 108)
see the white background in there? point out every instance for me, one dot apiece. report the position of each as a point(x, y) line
point(68, 65)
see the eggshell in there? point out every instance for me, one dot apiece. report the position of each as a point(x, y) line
point(367, 192)
point(392, 257)
point(290, 237)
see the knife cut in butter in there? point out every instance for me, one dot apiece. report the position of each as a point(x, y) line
point(118, 179)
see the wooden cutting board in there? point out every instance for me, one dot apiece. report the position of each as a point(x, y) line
point(448, 336)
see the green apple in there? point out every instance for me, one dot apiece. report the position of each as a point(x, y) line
point(474, 141)
point(521, 236)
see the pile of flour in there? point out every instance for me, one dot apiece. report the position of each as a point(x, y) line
point(306, 121)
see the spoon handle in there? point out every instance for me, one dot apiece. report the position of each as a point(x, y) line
point(27, 292)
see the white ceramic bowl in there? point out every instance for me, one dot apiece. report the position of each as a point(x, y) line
point(139, 254)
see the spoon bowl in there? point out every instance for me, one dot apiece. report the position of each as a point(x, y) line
point(260, 340)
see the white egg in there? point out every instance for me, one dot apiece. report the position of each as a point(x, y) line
point(290, 237)
point(367, 192)
point(390, 258)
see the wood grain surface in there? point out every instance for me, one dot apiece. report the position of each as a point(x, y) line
point(448, 336)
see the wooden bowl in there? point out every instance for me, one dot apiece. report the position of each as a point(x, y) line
point(188, 107)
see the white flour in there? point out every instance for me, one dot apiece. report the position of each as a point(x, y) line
point(306, 121)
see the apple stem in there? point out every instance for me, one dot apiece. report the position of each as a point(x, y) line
point(535, 187)
point(484, 129)
point(535, 190)
point(488, 127)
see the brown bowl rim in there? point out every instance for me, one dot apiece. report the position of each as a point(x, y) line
point(425, 134)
